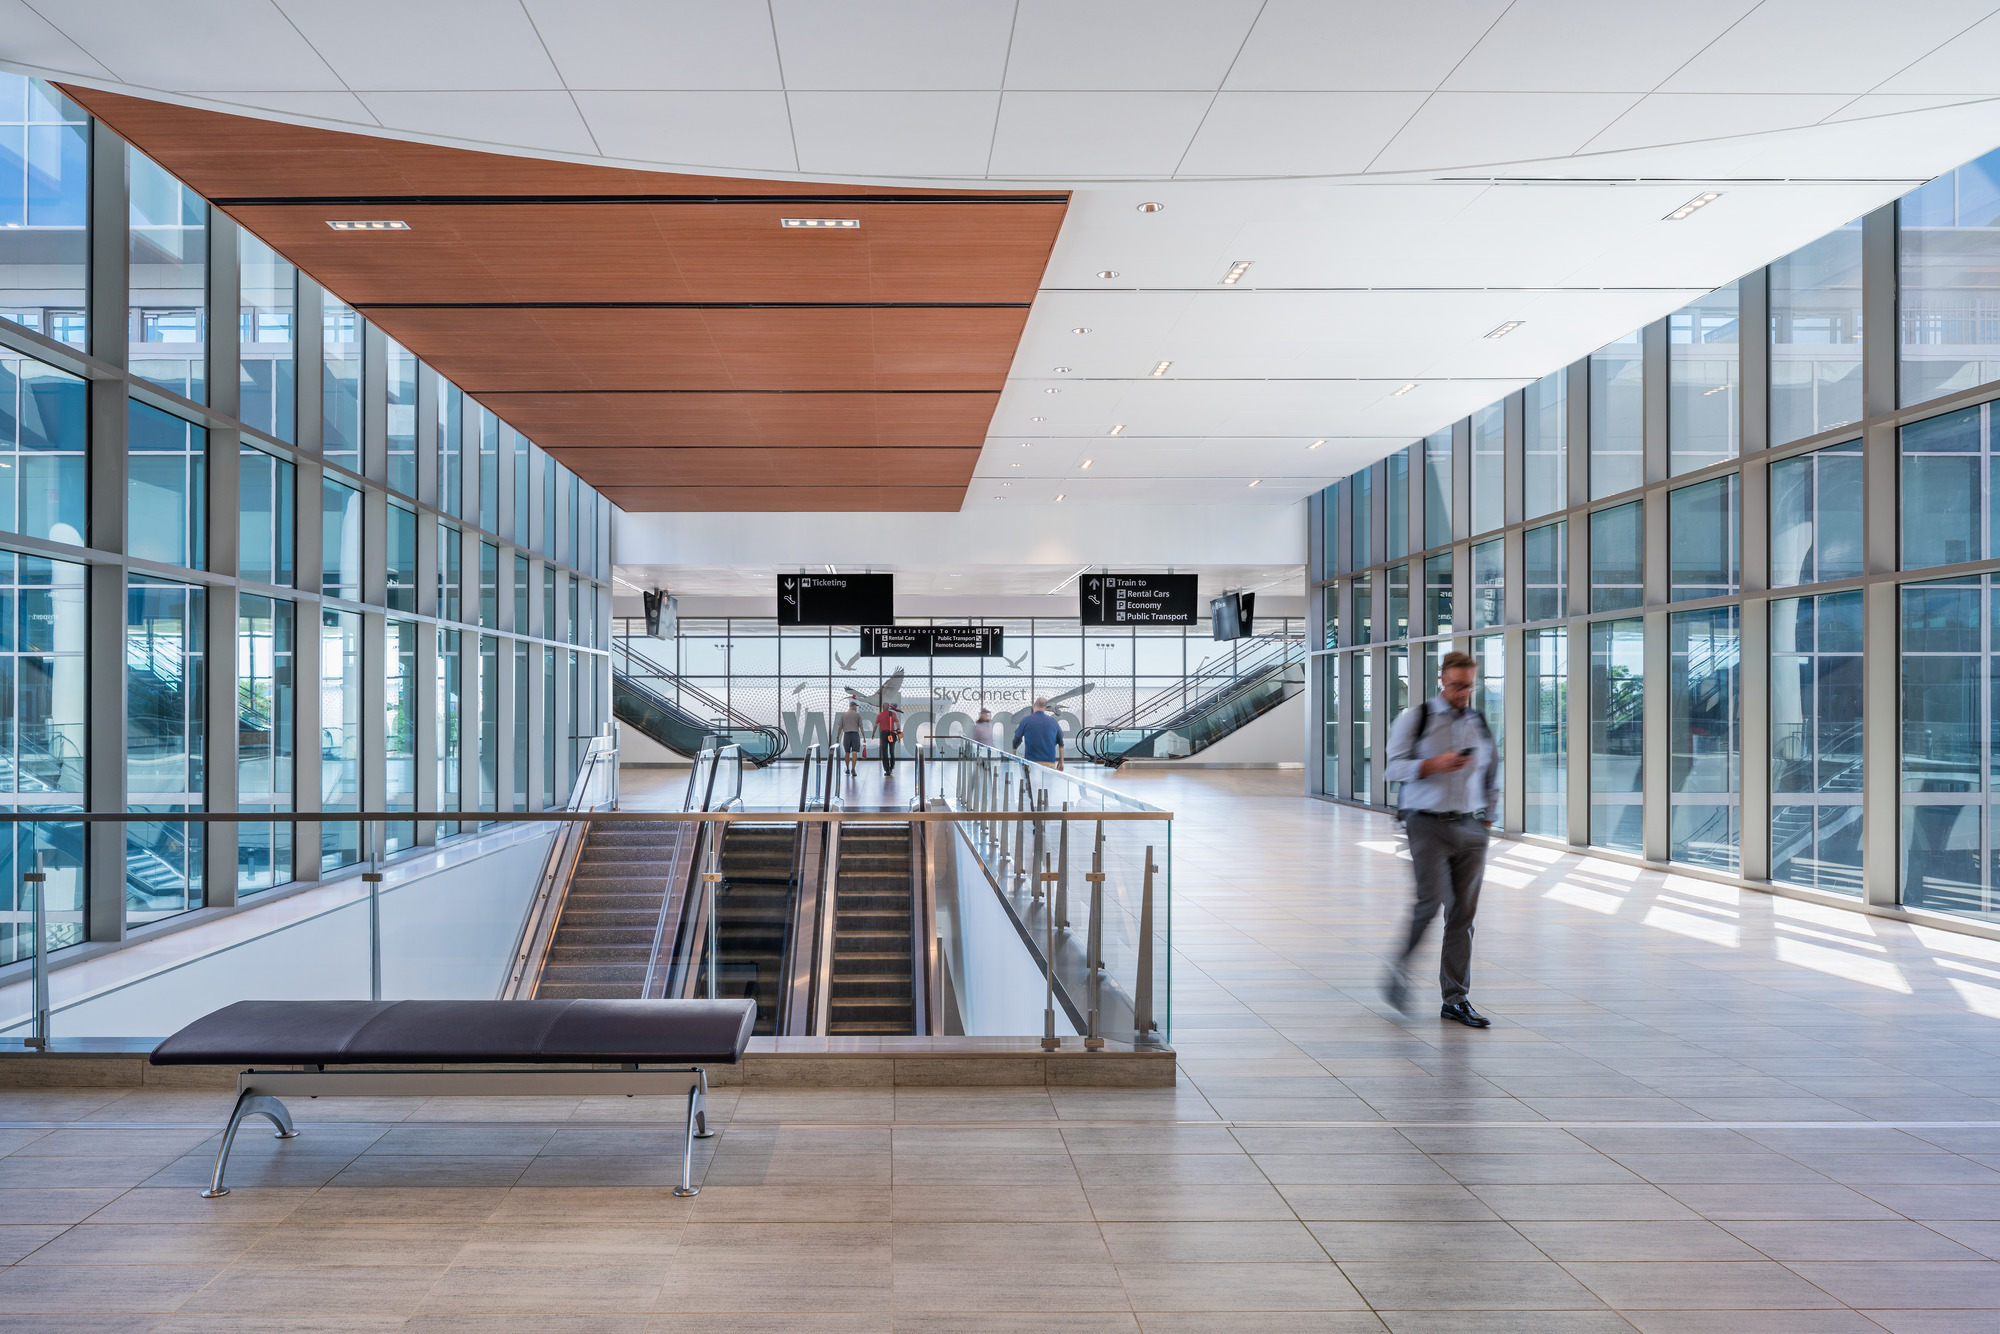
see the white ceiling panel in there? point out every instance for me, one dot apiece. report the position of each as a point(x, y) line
point(1095, 134)
point(1263, 134)
point(1200, 408)
point(1816, 46)
point(1969, 63)
point(1546, 45)
point(914, 134)
point(439, 44)
point(545, 120)
point(35, 42)
point(893, 44)
point(703, 129)
point(1293, 457)
point(1126, 44)
point(659, 44)
point(1895, 104)
point(208, 44)
point(1676, 118)
point(322, 106)
point(1461, 130)
point(1355, 44)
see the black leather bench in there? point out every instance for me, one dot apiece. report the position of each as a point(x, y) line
point(644, 1044)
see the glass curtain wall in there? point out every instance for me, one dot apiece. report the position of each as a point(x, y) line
point(162, 565)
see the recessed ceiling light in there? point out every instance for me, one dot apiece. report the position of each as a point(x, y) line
point(1702, 200)
point(1119, 429)
point(819, 222)
point(1013, 465)
point(1506, 329)
point(1161, 369)
point(1107, 273)
point(1035, 419)
point(1258, 482)
point(1079, 331)
point(1315, 444)
point(1404, 390)
point(1006, 484)
point(1086, 463)
point(1236, 271)
point(1029, 444)
point(1059, 495)
point(1052, 391)
point(831, 570)
point(355, 225)
point(1062, 370)
point(1152, 206)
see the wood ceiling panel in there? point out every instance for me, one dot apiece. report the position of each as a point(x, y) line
point(674, 348)
point(786, 499)
point(584, 421)
point(667, 252)
point(752, 466)
point(651, 325)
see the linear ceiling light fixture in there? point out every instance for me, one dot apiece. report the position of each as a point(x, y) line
point(1119, 429)
point(1079, 330)
point(362, 225)
point(1068, 578)
point(1506, 329)
point(1161, 369)
point(1060, 496)
point(1107, 273)
point(1404, 390)
point(1700, 201)
point(831, 570)
point(1258, 482)
point(1086, 463)
point(1315, 444)
point(1236, 271)
point(1062, 370)
point(819, 222)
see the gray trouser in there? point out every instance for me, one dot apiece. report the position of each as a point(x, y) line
point(1450, 859)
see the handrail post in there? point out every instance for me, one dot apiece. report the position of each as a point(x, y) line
point(1049, 1040)
point(1142, 987)
point(38, 1033)
point(1094, 946)
point(372, 877)
point(1062, 874)
point(711, 878)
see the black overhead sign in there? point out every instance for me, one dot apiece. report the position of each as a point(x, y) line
point(935, 641)
point(836, 599)
point(1136, 599)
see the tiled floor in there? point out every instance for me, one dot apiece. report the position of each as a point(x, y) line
point(1699, 1112)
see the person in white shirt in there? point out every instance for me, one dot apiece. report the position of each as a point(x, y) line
point(1442, 752)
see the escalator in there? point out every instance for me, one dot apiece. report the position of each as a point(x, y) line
point(754, 915)
point(606, 940)
point(653, 700)
point(1194, 714)
point(874, 898)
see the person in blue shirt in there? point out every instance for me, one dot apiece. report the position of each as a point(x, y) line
point(1042, 734)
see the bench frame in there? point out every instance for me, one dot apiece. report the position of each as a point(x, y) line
point(261, 1093)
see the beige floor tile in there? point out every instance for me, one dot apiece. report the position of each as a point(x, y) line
point(430, 1244)
point(791, 1204)
point(399, 1204)
point(1239, 1287)
point(28, 1290)
point(582, 1204)
point(1183, 1242)
point(785, 1243)
point(149, 1244)
point(1019, 1287)
point(1000, 1243)
point(794, 1289)
point(996, 1204)
point(516, 1290)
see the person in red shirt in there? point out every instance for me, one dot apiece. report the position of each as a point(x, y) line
point(888, 730)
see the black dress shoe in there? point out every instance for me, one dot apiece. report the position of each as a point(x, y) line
point(1461, 1012)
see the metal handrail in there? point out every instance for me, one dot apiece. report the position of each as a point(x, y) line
point(538, 924)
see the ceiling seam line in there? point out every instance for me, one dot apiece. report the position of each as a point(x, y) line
point(1220, 86)
point(1390, 142)
point(1000, 96)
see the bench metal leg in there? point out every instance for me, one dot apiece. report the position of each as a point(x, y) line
point(697, 1128)
point(248, 1103)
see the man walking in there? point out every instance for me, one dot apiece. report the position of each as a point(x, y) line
point(1042, 735)
point(888, 731)
point(1442, 752)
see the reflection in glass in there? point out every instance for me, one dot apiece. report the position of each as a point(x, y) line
point(1702, 382)
point(1362, 709)
point(1330, 616)
point(450, 572)
point(1948, 749)
point(1545, 747)
point(1398, 525)
point(1545, 558)
point(450, 447)
point(1704, 753)
point(1489, 694)
point(1617, 417)
point(168, 272)
point(44, 413)
point(489, 585)
point(1361, 515)
point(1437, 488)
point(165, 696)
point(1949, 281)
point(44, 200)
point(1816, 336)
point(166, 493)
point(1437, 594)
point(264, 530)
point(1617, 571)
point(340, 383)
point(402, 558)
point(1398, 625)
point(1489, 468)
point(1364, 608)
point(1816, 742)
point(401, 436)
point(448, 714)
point(1489, 584)
point(1945, 483)
point(265, 745)
point(340, 540)
point(523, 697)
point(1545, 445)
point(523, 589)
point(1617, 734)
point(1329, 704)
point(1703, 558)
point(43, 620)
point(489, 724)
point(339, 735)
point(1816, 516)
point(400, 704)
